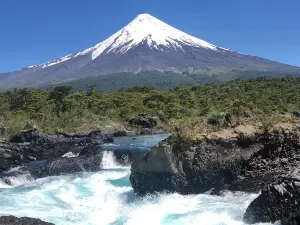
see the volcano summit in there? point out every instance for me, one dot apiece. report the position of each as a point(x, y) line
point(146, 52)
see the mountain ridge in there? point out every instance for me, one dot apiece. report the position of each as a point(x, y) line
point(138, 36)
point(145, 44)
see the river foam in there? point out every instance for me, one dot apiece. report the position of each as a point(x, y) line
point(106, 198)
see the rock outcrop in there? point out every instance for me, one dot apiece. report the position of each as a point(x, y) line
point(262, 161)
point(91, 161)
point(11, 220)
point(33, 145)
point(39, 155)
point(191, 167)
point(279, 200)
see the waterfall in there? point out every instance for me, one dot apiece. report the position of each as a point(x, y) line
point(108, 160)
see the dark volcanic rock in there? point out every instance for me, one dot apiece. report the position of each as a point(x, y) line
point(9, 156)
point(279, 200)
point(126, 157)
point(41, 155)
point(190, 167)
point(12, 154)
point(32, 136)
point(238, 164)
point(11, 220)
point(293, 219)
point(62, 166)
point(32, 145)
point(263, 161)
point(90, 161)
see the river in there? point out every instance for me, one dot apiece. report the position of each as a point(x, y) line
point(106, 198)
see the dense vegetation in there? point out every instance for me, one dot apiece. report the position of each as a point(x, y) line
point(63, 109)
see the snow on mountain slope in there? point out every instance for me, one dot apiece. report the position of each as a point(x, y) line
point(143, 28)
point(155, 32)
point(147, 44)
point(53, 62)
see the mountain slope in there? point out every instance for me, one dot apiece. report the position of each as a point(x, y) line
point(145, 44)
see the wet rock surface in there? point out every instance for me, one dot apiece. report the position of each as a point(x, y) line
point(264, 161)
point(11, 220)
point(279, 200)
point(37, 146)
point(33, 145)
point(35, 155)
point(190, 167)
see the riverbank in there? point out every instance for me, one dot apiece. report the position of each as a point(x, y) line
point(239, 159)
point(36, 154)
point(246, 161)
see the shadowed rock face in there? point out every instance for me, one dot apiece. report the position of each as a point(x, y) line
point(267, 161)
point(90, 161)
point(39, 155)
point(11, 220)
point(293, 219)
point(279, 200)
point(32, 145)
point(190, 168)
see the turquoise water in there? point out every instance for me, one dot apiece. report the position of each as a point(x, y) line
point(106, 197)
point(142, 143)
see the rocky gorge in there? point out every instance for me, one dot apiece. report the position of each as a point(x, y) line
point(256, 161)
point(32, 154)
point(38, 154)
point(267, 161)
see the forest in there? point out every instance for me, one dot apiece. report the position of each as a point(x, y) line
point(63, 109)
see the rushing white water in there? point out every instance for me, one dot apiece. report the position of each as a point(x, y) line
point(20, 179)
point(108, 160)
point(106, 198)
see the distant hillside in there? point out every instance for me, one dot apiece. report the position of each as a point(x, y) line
point(161, 80)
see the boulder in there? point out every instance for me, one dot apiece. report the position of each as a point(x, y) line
point(126, 157)
point(88, 160)
point(87, 163)
point(33, 145)
point(33, 136)
point(189, 167)
point(11, 220)
point(243, 163)
point(293, 219)
point(279, 200)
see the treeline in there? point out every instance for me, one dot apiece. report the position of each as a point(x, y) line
point(63, 109)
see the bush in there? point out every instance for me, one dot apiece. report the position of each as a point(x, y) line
point(212, 121)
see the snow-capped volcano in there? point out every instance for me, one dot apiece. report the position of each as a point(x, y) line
point(144, 28)
point(145, 44)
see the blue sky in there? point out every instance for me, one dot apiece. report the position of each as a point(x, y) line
point(36, 31)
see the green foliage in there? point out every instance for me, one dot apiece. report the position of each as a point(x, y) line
point(61, 109)
point(214, 119)
point(58, 95)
